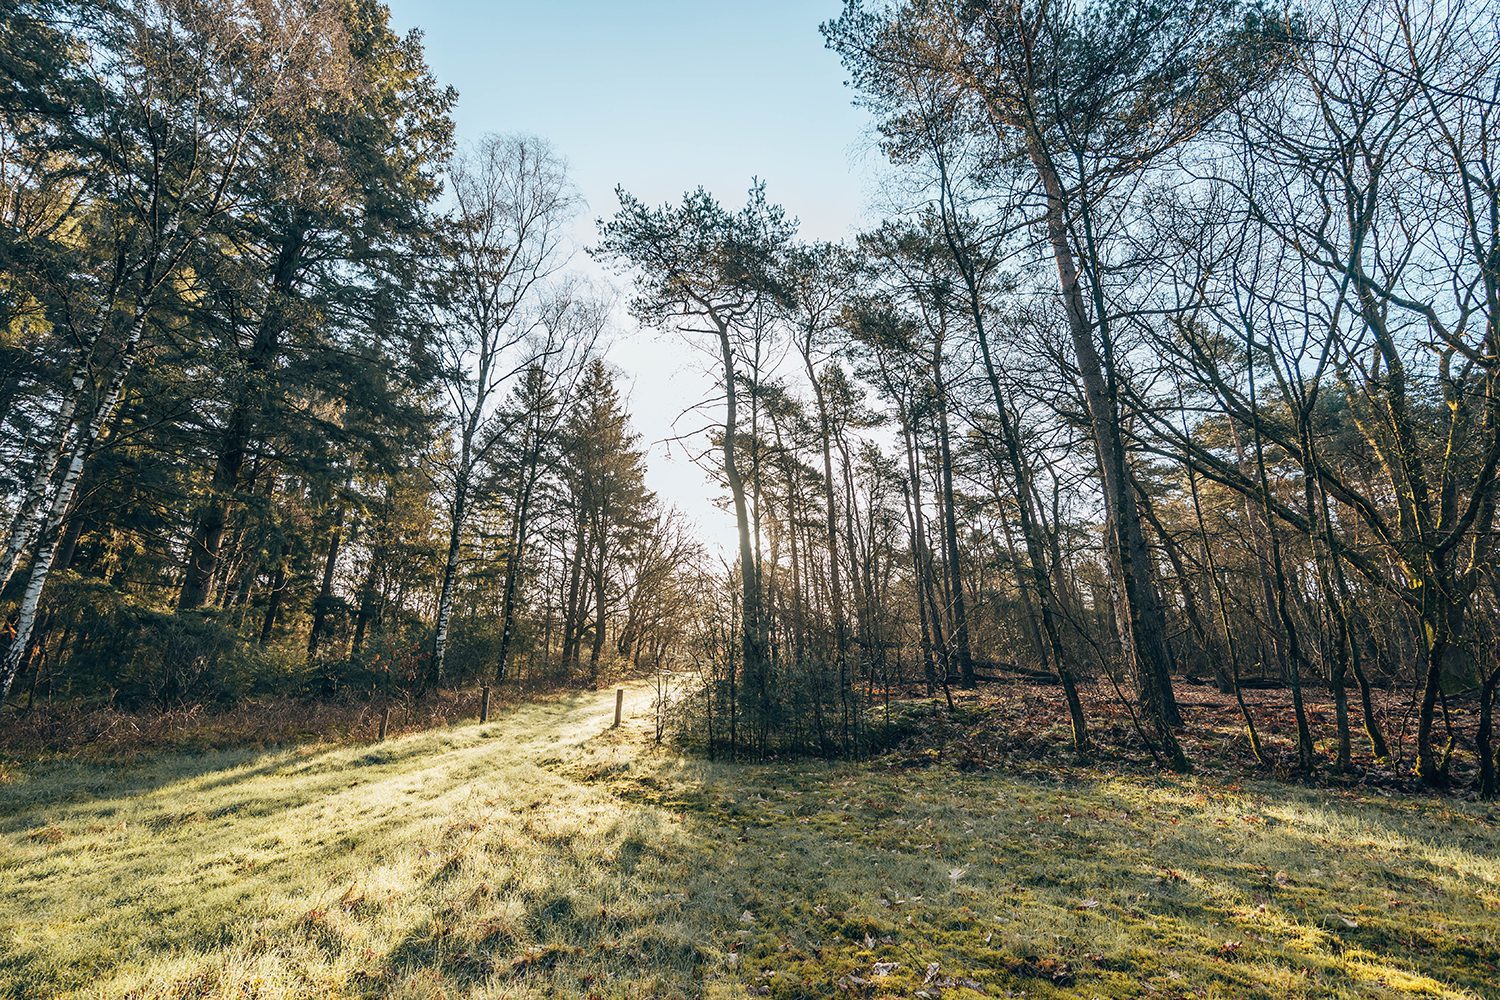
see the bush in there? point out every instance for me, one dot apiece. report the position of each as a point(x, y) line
point(189, 657)
point(141, 655)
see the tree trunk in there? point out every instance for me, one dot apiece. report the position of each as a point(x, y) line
point(753, 645)
point(960, 635)
point(450, 577)
point(1489, 784)
point(48, 538)
point(521, 526)
point(234, 443)
point(830, 510)
point(322, 604)
point(1442, 622)
point(1145, 624)
point(1251, 735)
point(572, 613)
point(1305, 760)
point(1020, 472)
point(600, 559)
point(20, 533)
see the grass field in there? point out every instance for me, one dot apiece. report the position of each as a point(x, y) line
point(543, 855)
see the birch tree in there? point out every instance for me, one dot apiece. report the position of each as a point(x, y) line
point(511, 199)
point(177, 90)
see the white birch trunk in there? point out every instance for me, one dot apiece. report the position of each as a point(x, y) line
point(56, 512)
point(19, 535)
point(450, 574)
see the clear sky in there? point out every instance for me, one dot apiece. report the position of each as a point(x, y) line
point(661, 96)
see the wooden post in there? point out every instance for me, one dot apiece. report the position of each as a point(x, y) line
point(484, 706)
point(619, 703)
point(385, 722)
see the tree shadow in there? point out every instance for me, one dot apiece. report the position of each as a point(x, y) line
point(545, 852)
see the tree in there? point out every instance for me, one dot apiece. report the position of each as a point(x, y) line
point(324, 241)
point(710, 272)
point(1356, 192)
point(174, 97)
point(604, 473)
point(511, 200)
point(914, 272)
point(536, 433)
point(1085, 96)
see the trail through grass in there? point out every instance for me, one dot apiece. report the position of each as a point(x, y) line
point(544, 855)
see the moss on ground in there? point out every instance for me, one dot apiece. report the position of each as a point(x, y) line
point(545, 855)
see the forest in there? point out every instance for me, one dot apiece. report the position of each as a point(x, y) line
point(1140, 458)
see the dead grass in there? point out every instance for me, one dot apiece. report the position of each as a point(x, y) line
point(1021, 727)
point(100, 733)
point(544, 855)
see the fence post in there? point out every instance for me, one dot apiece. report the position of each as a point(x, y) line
point(385, 722)
point(619, 703)
point(484, 706)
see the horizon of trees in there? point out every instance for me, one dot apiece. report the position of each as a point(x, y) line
point(296, 395)
point(1175, 356)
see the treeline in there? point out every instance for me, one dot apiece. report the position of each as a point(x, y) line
point(1178, 355)
point(294, 396)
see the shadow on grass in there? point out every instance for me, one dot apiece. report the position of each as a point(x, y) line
point(55, 783)
point(109, 868)
point(544, 855)
point(1109, 887)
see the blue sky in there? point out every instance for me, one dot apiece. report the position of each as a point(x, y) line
point(663, 96)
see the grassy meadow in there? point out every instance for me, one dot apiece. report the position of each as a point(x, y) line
point(544, 855)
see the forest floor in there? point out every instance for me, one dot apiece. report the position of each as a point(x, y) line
point(545, 855)
point(1021, 727)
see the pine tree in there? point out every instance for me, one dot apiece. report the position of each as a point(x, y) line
point(603, 469)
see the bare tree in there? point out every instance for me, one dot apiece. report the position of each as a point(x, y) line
point(511, 200)
point(712, 272)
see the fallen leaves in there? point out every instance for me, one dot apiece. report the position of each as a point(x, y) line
point(1055, 970)
point(1019, 726)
